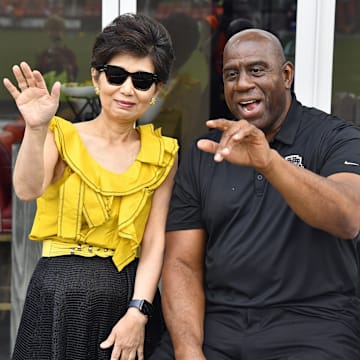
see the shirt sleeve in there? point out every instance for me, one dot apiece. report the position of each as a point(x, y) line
point(342, 152)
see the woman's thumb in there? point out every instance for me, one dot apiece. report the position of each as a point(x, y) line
point(108, 342)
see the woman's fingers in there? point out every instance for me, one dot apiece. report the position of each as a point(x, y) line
point(38, 79)
point(116, 354)
point(14, 92)
point(123, 354)
point(140, 354)
point(26, 77)
point(20, 78)
point(56, 89)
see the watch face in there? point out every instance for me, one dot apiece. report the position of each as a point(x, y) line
point(144, 306)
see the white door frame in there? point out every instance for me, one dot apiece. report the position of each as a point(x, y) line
point(315, 25)
point(112, 8)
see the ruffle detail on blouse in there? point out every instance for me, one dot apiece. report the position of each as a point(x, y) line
point(87, 193)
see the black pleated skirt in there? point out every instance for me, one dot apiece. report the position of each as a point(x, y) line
point(72, 304)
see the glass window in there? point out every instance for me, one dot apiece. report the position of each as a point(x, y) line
point(346, 75)
point(36, 30)
point(56, 37)
point(199, 29)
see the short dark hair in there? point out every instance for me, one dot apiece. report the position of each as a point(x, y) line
point(138, 35)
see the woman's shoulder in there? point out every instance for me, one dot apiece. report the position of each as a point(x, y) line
point(151, 135)
point(156, 148)
point(60, 123)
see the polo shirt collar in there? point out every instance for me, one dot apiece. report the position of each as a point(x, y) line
point(289, 128)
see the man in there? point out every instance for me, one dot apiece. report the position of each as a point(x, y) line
point(57, 57)
point(261, 259)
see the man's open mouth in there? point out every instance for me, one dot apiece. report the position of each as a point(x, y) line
point(249, 106)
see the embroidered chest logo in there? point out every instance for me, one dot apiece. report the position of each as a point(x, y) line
point(295, 159)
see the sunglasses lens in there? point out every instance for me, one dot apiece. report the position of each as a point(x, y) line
point(117, 75)
point(142, 81)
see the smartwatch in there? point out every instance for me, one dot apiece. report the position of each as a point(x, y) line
point(143, 306)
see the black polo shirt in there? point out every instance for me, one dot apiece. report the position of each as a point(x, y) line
point(258, 252)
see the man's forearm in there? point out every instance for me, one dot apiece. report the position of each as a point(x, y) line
point(328, 204)
point(184, 306)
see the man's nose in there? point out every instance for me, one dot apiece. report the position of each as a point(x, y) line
point(243, 81)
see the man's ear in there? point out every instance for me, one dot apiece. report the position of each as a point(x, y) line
point(288, 73)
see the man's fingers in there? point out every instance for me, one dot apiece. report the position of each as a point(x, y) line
point(234, 132)
point(220, 124)
point(208, 146)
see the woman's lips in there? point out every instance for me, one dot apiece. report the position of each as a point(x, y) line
point(125, 104)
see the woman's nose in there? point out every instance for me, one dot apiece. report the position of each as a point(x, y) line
point(127, 86)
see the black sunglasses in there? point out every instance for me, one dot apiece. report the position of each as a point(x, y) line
point(116, 75)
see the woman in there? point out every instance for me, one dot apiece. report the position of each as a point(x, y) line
point(102, 190)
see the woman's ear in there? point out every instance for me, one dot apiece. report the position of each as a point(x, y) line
point(159, 86)
point(94, 76)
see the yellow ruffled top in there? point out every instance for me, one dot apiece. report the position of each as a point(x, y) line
point(93, 211)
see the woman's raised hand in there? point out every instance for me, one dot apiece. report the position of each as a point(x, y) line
point(31, 95)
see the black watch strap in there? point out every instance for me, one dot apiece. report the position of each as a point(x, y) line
point(142, 305)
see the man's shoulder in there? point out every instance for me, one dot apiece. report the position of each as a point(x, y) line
point(317, 117)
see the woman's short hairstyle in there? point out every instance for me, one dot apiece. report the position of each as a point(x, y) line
point(138, 35)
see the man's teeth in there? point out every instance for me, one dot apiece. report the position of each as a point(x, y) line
point(247, 102)
point(248, 105)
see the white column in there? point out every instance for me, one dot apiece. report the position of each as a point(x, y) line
point(110, 9)
point(314, 52)
point(128, 6)
point(113, 8)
